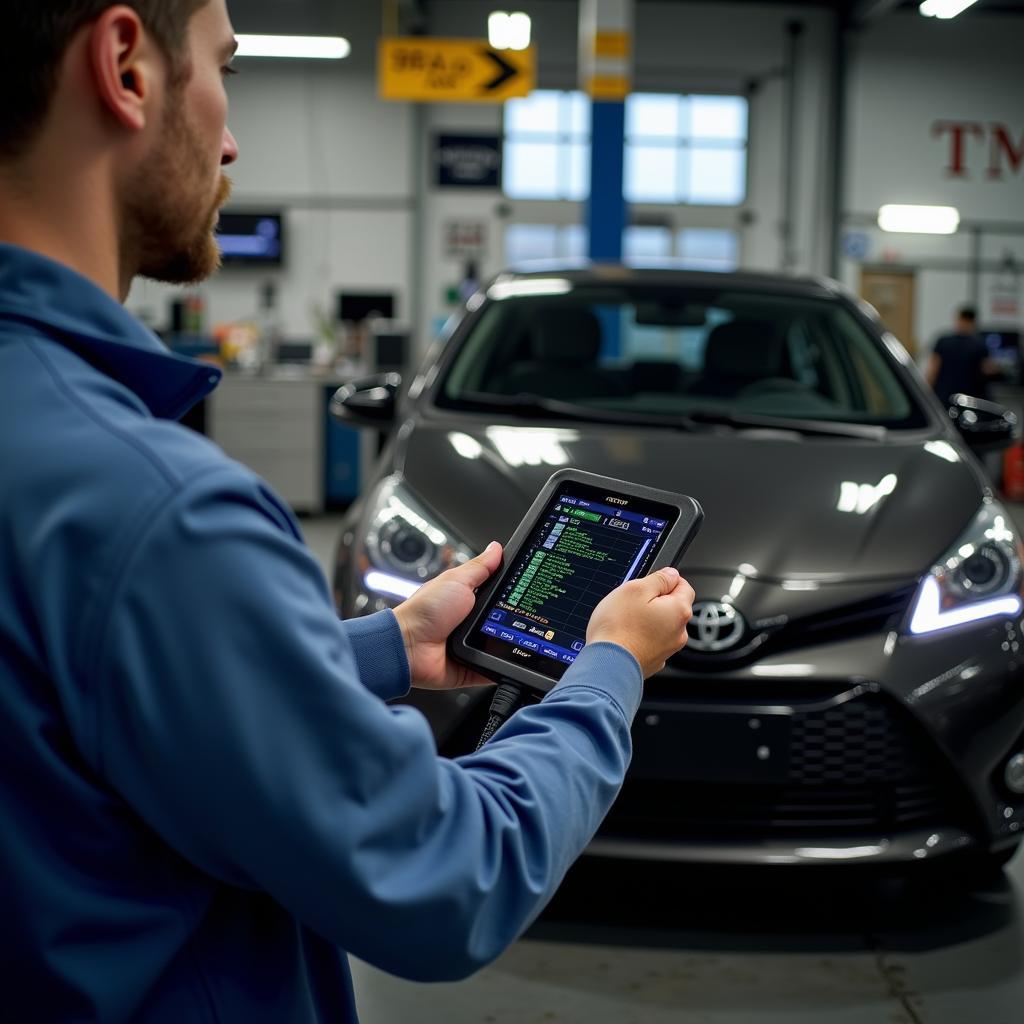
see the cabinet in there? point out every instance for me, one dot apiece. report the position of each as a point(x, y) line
point(275, 426)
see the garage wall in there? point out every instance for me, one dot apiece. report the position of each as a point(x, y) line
point(911, 80)
point(317, 141)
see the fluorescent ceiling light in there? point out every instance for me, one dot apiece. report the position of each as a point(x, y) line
point(944, 8)
point(302, 47)
point(919, 220)
point(508, 31)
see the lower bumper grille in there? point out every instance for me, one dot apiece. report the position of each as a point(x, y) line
point(850, 768)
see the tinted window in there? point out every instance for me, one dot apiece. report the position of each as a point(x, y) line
point(660, 351)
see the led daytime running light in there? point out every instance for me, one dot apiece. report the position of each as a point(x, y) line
point(929, 617)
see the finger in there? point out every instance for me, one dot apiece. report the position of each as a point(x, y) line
point(659, 583)
point(475, 572)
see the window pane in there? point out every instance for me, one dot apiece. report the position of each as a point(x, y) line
point(537, 112)
point(717, 176)
point(652, 115)
point(573, 244)
point(530, 242)
point(576, 114)
point(576, 184)
point(709, 248)
point(646, 242)
point(651, 174)
point(531, 170)
point(718, 117)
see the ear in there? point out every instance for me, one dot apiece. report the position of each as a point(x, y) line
point(122, 61)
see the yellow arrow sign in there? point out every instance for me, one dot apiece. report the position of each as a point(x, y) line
point(452, 70)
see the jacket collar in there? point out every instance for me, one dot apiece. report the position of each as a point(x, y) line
point(61, 304)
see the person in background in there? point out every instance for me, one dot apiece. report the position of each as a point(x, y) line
point(960, 362)
point(205, 800)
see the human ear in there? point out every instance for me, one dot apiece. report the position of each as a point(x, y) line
point(120, 57)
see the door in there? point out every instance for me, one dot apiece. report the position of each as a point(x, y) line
point(891, 292)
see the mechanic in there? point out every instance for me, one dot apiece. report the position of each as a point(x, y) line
point(960, 362)
point(205, 799)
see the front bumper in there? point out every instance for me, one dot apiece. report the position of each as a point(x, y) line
point(876, 748)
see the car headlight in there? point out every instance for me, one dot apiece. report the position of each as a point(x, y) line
point(405, 544)
point(978, 578)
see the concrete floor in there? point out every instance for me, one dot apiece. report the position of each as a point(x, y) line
point(714, 946)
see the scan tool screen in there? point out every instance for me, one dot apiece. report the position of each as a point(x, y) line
point(586, 542)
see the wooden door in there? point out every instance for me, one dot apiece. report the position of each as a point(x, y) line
point(891, 292)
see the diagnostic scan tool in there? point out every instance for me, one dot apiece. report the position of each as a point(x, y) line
point(583, 537)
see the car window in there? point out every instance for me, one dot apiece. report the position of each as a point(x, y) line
point(669, 351)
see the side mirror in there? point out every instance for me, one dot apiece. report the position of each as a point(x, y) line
point(985, 425)
point(368, 401)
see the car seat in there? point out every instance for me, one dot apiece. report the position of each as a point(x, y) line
point(564, 345)
point(741, 353)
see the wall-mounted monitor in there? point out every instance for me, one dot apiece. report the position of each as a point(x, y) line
point(355, 307)
point(251, 239)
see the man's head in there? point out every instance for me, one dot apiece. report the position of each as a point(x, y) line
point(135, 88)
point(966, 320)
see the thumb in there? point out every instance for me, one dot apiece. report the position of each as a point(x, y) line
point(476, 571)
point(659, 583)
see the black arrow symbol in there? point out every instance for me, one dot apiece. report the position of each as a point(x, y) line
point(505, 71)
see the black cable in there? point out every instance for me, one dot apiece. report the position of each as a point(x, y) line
point(507, 697)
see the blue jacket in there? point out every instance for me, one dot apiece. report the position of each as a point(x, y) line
point(204, 799)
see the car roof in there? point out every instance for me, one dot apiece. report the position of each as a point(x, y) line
point(675, 275)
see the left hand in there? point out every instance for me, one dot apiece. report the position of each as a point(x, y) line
point(429, 616)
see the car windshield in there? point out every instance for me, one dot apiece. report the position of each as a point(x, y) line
point(676, 354)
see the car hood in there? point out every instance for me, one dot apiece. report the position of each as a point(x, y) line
point(790, 506)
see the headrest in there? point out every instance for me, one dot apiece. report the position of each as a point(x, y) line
point(565, 334)
point(744, 348)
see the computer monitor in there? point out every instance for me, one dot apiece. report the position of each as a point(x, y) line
point(251, 239)
point(1004, 349)
point(355, 307)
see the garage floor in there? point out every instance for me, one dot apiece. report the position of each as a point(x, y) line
point(714, 946)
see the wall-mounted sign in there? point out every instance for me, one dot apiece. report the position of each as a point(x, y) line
point(468, 161)
point(857, 245)
point(978, 146)
point(452, 70)
point(465, 239)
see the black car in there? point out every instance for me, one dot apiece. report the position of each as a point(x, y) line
point(853, 687)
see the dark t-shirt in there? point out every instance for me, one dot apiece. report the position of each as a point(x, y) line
point(961, 370)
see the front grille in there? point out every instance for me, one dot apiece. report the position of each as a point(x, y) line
point(874, 615)
point(856, 743)
point(860, 767)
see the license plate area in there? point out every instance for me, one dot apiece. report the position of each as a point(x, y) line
point(711, 744)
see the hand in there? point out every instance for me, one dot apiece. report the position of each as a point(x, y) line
point(647, 616)
point(428, 617)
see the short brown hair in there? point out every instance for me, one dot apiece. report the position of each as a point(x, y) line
point(34, 35)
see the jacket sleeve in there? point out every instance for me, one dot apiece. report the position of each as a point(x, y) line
point(376, 642)
point(231, 717)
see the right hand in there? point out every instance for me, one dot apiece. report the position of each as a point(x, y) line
point(647, 616)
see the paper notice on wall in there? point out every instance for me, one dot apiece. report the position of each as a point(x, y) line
point(1004, 299)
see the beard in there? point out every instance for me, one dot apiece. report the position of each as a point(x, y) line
point(170, 214)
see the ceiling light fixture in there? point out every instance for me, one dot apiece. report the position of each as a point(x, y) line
point(919, 220)
point(507, 31)
point(944, 8)
point(295, 47)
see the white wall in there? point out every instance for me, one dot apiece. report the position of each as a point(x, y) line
point(906, 74)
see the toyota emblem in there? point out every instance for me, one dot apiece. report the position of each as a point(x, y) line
point(715, 626)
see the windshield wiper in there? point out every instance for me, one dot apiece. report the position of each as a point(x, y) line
point(530, 404)
point(822, 428)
